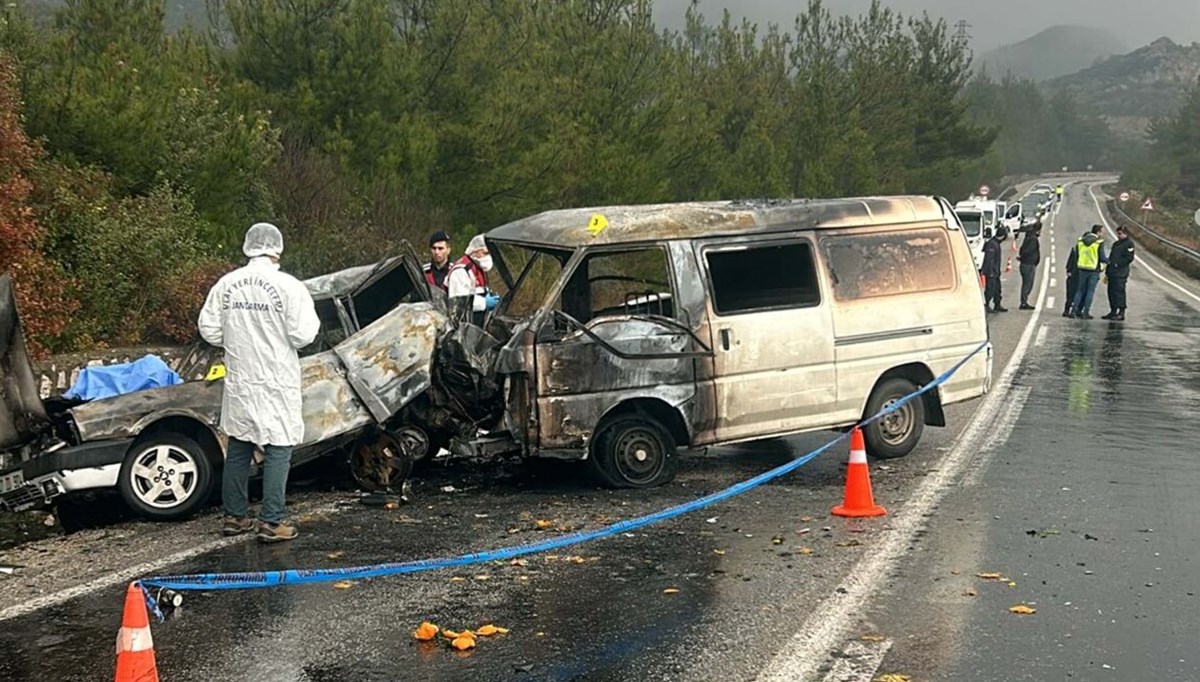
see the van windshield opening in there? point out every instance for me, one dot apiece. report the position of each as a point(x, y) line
point(534, 272)
point(972, 223)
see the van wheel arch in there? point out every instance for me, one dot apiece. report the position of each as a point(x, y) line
point(897, 434)
point(664, 413)
point(651, 425)
point(920, 375)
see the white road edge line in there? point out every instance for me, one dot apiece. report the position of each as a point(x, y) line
point(1141, 263)
point(130, 574)
point(822, 632)
point(999, 433)
point(859, 661)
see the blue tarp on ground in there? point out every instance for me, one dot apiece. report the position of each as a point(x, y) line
point(111, 380)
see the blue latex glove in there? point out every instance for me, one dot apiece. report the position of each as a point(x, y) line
point(491, 301)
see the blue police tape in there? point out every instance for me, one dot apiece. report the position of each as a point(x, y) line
point(240, 581)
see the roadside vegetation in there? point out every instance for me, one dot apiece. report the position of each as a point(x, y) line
point(1169, 174)
point(133, 155)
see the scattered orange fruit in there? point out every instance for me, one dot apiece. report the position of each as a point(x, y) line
point(463, 643)
point(425, 631)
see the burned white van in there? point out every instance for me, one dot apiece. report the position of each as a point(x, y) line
point(629, 333)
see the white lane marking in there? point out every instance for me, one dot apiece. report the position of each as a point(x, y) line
point(132, 573)
point(859, 662)
point(830, 622)
point(1041, 335)
point(1053, 281)
point(1000, 431)
point(1050, 302)
point(1141, 262)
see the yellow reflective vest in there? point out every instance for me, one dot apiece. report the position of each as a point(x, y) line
point(1088, 257)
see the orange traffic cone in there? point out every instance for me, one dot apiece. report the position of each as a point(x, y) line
point(135, 648)
point(858, 500)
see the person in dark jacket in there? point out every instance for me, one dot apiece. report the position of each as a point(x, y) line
point(439, 263)
point(1119, 261)
point(991, 270)
point(1030, 255)
point(1072, 281)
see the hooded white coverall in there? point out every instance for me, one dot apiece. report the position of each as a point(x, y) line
point(261, 317)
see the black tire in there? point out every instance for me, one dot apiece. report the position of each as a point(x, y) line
point(173, 463)
point(633, 451)
point(896, 434)
point(381, 461)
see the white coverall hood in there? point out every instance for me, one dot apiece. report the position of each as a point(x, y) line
point(261, 317)
point(263, 239)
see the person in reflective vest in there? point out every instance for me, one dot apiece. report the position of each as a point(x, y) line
point(438, 267)
point(1089, 255)
point(468, 277)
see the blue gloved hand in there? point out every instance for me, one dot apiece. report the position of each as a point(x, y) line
point(491, 300)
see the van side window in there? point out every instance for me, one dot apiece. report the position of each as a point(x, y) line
point(608, 283)
point(763, 278)
point(888, 263)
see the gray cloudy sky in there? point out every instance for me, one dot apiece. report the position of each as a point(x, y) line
point(1134, 22)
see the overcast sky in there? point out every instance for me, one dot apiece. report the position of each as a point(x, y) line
point(993, 23)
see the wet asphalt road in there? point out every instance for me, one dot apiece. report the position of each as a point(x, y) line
point(749, 570)
point(1089, 506)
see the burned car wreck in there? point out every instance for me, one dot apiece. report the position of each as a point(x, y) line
point(161, 448)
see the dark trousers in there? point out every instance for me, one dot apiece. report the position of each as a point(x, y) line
point(235, 479)
point(991, 290)
point(1072, 283)
point(1028, 271)
point(1116, 293)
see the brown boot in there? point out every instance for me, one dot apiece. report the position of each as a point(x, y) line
point(276, 532)
point(236, 525)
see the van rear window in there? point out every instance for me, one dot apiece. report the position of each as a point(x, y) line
point(888, 263)
point(763, 278)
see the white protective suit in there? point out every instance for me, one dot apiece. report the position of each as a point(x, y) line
point(261, 317)
point(460, 281)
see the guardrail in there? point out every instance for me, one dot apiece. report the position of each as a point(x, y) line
point(1165, 241)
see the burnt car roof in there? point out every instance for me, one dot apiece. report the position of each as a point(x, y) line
point(346, 282)
point(571, 228)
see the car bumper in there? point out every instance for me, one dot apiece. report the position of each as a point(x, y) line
point(41, 479)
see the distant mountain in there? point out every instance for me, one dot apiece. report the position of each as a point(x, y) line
point(1129, 90)
point(1053, 52)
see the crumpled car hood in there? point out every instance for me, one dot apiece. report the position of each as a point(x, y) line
point(368, 377)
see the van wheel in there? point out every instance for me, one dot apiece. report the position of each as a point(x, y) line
point(166, 476)
point(896, 434)
point(633, 451)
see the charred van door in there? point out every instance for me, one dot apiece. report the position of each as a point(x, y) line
point(772, 335)
point(612, 336)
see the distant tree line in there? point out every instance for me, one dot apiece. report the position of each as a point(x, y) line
point(352, 124)
point(1170, 171)
point(1040, 131)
